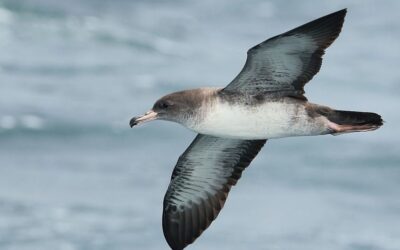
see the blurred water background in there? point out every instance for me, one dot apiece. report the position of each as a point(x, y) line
point(74, 176)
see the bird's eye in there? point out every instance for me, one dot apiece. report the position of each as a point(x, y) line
point(163, 105)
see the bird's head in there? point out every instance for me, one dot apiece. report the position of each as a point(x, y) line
point(175, 107)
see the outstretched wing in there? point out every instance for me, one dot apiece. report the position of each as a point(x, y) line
point(200, 184)
point(285, 63)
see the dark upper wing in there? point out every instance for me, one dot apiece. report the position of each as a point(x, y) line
point(285, 63)
point(200, 184)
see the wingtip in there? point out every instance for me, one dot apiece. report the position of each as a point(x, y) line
point(331, 24)
point(343, 12)
point(340, 14)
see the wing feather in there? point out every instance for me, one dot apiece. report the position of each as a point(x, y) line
point(200, 184)
point(285, 63)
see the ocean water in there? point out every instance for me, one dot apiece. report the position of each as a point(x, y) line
point(74, 176)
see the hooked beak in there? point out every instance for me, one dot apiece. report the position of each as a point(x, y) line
point(148, 116)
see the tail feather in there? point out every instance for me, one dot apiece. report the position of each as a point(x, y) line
point(352, 121)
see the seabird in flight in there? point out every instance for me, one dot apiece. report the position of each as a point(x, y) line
point(266, 100)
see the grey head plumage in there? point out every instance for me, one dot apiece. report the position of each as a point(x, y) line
point(180, 107)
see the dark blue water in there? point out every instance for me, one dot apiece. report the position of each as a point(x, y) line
point(74, 176)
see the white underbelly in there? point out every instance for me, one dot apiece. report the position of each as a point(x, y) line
point(264, 121)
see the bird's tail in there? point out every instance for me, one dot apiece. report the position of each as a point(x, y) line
point(351, 121)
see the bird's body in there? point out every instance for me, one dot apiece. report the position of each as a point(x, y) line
point(250, 118)
point(266, 100)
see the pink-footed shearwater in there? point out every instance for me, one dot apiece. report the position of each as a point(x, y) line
point(266, 100)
